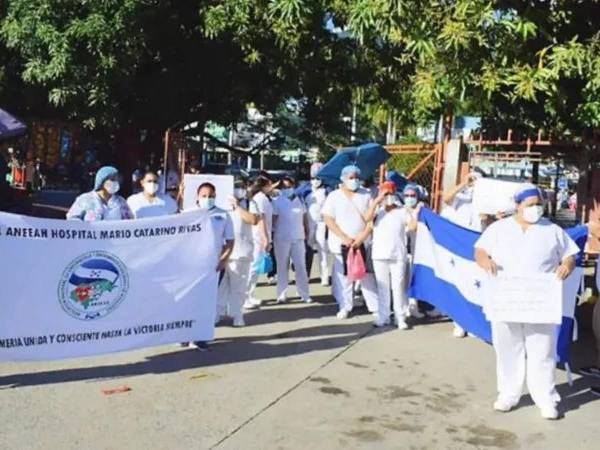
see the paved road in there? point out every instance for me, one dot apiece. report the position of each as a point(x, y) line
point(296, 378)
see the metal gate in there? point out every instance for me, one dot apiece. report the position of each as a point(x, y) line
point(421, 164)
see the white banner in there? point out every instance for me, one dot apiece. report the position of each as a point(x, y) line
point(71, 288)
point(491, 196)
point(535, 298)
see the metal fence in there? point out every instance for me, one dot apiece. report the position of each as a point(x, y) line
point(420, 164)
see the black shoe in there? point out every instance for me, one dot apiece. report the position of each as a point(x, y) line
point(591, 371)
point(200, 345)
point(595, 390)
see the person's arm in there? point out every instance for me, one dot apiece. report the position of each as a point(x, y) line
point(485, 261)
point(225, 254)
point(333, 227)
point(452, 193)
point(372, 211)
point(363, 236)
point(245, 214)
point(413, 220)
point(306, 226)
point(566, 267)
point(76, 211)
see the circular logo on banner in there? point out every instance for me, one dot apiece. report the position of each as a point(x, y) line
point(93, 285)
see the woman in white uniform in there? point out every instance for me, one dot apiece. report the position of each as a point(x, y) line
point(317, 230)
point(290, 228)
point(234, 284)
point(390, 224)
point(344, 213)
point(525, 352)
point(261, 233)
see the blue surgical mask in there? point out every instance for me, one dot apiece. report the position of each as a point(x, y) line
point(206, 202)
point(287, 192)
point(352, 183)
point(411, 202)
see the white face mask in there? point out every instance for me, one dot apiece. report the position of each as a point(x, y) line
point(239, 193)
point(206, 202)
point(411, 202)
point(316, 183)
point(151, 188)
point(352, 184)
point(533, 214)
point(112, 187)
point(390, 200)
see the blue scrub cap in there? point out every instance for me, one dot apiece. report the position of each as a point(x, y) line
point(526, 191)
point(103, 174)
point(412, 187)
point(349, 170)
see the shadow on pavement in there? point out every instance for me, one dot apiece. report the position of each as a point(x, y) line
point(225, 351)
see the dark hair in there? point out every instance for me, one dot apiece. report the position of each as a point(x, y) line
point(206, 185)
point(258, 185)
point(149, 172)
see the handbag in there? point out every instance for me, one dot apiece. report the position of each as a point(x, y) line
point(264, 264)
point(355, 263)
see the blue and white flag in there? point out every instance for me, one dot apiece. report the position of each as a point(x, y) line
point(446, 275)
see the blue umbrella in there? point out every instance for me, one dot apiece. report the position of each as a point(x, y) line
point(10, 126)
point(367, 157)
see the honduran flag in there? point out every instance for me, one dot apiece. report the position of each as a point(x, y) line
point(445, 274)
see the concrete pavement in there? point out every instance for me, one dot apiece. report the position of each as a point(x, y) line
point(295, 378)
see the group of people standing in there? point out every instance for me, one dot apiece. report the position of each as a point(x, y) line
point(379, 223)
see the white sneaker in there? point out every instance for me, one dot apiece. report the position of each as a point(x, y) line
point(549, 413)
point(271, 281)
point(401, 324)
point(434, 313)
point(325, 282)
point(239, 322)
point(503, 405)
point(281, 300)
point(380, 323)
point(252, 303)
point(342, 314)
point(458, 332)
point(308, 300)
point(413, 311)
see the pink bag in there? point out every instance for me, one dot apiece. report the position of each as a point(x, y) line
point(355, 263)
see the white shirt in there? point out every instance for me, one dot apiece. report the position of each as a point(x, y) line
point(539, 249)
point(314, 204)
point(290, 218)
point(389, 234)
point(348, 213)
point(462, 212)
point(265, 210)
point(242, 230)
point(161, 205)
point(222, 230)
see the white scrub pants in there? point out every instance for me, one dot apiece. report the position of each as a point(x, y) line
point(319, 244)
point(296, 252)
point(252, 275)
point(342, 288)
point(233, 288)
point(389, 276)
point(525, 352)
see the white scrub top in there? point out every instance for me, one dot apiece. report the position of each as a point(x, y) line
point(314, 204)
point(290, 219)
point(389, 235)
point(348, 213)
point(265, 208)
point(462, 212)
point(242, 230)
point(539, 249)
point(161, 205)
